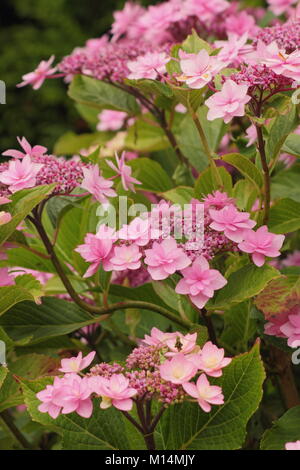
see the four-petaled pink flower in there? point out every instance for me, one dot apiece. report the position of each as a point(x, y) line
point(260, 244)
point(292, 445)
point(198, 69)
point(97, 249)
point(148, 66)
point(124, 171)
point(199, 282)
point(39, 75)
point(36, 151)
point(95, 184)
point(76, 364)
point(110, 120)
point(165, 258)
point(114, 391)
point(178, 370)
point(5, 217)
point(126, 257)
point(211, 360)
point(229, 102)
point(233, 223)
point(20, 174)
point(205, 394)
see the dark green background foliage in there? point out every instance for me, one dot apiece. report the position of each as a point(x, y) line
point(32, 30)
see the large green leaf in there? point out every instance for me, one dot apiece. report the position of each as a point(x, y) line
point(239, 327)
point(286, 429)
point(283, 125)
point(292, 145)
point(105, 430)
point(187, 427)
point(245, 167)
point(277, 295)
point(206, 183)
point(10, 394)
point(151, 175)
point(243, 284)
point(101, 95)
point(26, 288)
point(285, 184)
point(180, 195)
point(22, 204)
point(71, 143)
point(145, 137)
point(285, 216)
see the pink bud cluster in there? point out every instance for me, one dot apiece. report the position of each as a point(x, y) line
point(168, 367)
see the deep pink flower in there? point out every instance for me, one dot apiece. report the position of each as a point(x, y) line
point(261, 244)
point(228, 102)
point(20, 174)
point(148, 66)
point(126, 257)
point(205, 394)
point(110, 120)
point(76, 364)
point(211, 360)
point(198, 69)
point(35, 151)
point(233, 223)
point(114, 391)
point(199, 282)
point(124, 171)
point(292, 445)
point(178, 370)
point(5, 217)
point(39, 75)
point(165, 258)
point(95, 184)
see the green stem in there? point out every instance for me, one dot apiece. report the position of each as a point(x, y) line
point(266, 171)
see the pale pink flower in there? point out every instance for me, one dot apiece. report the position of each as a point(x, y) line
point(94, 44)
point(205, 394)
point(251, 135)
point(199, 282)
point(292, 445)
point(280, 6)
point(39, 75)
point(158, 337)
point(149, 65)
point(229, 102)
point(95, 184)
point(110, 120)
point(97, 249)
point(125, 19)
point(291, 329)
point(240, 23)
point(74, 396)
point(232, 50)
point(124, 171)
point(278, 60)
point(218, 200)
point(114, 391)
point(126, 257)
point(292, 259)
point(198, 69)
point(233, 223)
point(5, 217)
point(165, 258)
point(211, 360)
point(204, 10)
point(76, 364)
point(48, 396)
point(261, 244)
point(178, 370)
point(4, 200)
point(36, 151)
point(5, 278)
point(153, 25)
point(20, 174)
point(273, 327)
point(138, 231)
point(179, 343)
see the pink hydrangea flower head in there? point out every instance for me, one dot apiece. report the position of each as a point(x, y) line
point(165, 258)
point(96, 249)
point(124, 171)
point(139, 230)
point(125, 19)
point(280, 6)
point(205, 394)
point(111, 120)
point(198, 69)
point(229, 102)
point(233, 223)
point(292, 445)
point(39, 75)
point(158, 337)
point(76, 364)
point(261, 244)
point(35, 152)
point(149, 65)
point(74, 396)
point(211, 360)
point(95, 184)
point(199, 282)
point(5, 217)
point(177, 370)
point(179, 343)
point(126, 257)
point(115, 391)
point(21, 174)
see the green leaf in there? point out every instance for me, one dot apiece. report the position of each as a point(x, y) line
point(206, 183)
point(243, 284)
point(24, 258)
point(285, 216)
point(245, 167)
point(105, 430)
point(277, 296)
point(286, 429)
point(180, 195)
point(283, 125)
point(144, 137)
point(101, 95)
point(71, 143)
point(193, 44)
point(292, 145)
point(151, 175)
point(245, 194)
point(12, 295)
point(239, 327)
point(187, 427)
point(285, 184)
point(151, 87)
point(22, 204)
point(10, 394)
